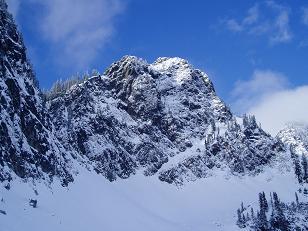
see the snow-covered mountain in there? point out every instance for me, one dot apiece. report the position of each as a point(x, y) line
point(163, 118)
point(141, 147)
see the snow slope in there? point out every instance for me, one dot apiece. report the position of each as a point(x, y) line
point(139, 203)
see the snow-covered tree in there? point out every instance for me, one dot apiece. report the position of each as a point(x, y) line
point(305, 168)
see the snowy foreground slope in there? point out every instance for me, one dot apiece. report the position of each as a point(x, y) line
point(144, 146)
point(138, 203)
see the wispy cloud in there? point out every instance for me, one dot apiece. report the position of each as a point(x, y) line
point(305, 15)
point(268, 18)
point(241, 25)
point(252, 15)
point(269, 97)
point(233, 25)
point(281, 23)
point(79, 28)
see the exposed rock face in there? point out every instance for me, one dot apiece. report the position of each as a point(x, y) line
point(170, 93)
point(240, 149)
point(296, 136)
point(163, 117)
point(28, 147)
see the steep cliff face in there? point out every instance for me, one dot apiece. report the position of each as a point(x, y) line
point(163, 117)
point(175, 97)
point(28, 147)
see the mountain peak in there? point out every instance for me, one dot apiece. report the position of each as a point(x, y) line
point(131, 60)
point(169, 62)
point(177, 68)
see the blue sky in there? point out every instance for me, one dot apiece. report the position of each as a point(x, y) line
point(250, 49)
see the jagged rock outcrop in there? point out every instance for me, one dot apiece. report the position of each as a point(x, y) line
point(162, 117)
point(241, 148)
point(28, 147)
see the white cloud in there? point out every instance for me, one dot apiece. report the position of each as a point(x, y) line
point(274, 24)
point(246, 94)
point(13, 6)
point(305, 15)
point(267, 95)
point(79, 28)
point(280, 108)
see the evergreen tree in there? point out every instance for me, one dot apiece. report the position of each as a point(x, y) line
point(305, 168)
point(272, 204)
point(249, 121)
point(239, 221)
point(276, 200)
point(247, 216)
point(298, 171)
point(262, 223)
point(262, 220)
point(95, 72)
point(252, 214)
point(260, 200)
point(60, 87)
point(265, 202)
point(296, 197)
point(245, 120)
point(244, 219)
point(278, 220)
point(253, 121)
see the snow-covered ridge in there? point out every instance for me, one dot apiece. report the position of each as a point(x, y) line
point(295, 135)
